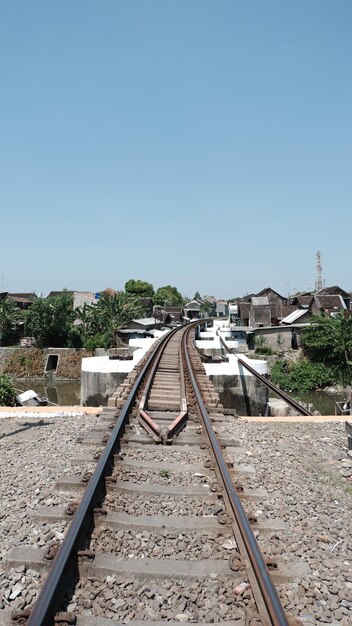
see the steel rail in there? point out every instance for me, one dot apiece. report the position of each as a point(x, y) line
point(48, 601)
point(144, 419)
point(264, 580)
point(178, 423)
point(295, 405)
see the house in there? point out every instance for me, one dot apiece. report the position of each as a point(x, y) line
point(243, 312)
point(192, 310)
point(336, 291)
point(328, 305)
point(143, 324)
point(299, 316)
point(277, 304)
point(302, 301)
point(222, 308)
point(168, 314)
point(23, 300)
point(80, 298)
point(54, 294)
point(259, 312)
point(234, 313)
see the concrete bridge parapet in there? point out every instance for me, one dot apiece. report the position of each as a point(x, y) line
point(102, 375)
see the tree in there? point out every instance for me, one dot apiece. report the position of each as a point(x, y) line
point(87, 318)
point(10, 315)
point(168, 295)
point(197, 296)
point(205, 308)
point(139, 288)
point(114, 310)
point(328, 340)
point(50, 320)
point(7, 391)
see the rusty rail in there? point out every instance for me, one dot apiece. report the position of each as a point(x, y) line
point(264, 581)
point(48, 601)
point(66, 561)
point(144, 419)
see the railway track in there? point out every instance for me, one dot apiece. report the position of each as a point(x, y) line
point(160, 532)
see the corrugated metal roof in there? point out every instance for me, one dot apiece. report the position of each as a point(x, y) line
point(145, 321)
point(292, 317)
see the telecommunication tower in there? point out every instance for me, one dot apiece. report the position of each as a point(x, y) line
point(318, 272)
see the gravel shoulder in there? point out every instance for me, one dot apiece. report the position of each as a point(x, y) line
point(308, 476)
point(303, 465)
point(34, 452)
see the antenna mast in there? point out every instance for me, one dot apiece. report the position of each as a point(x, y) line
point(318, 272)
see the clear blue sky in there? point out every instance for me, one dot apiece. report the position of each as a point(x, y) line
point(202, 143)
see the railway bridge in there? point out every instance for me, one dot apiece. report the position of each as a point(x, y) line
point(160, 522)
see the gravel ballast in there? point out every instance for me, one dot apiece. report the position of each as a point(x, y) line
point(303, 466)
point(34, 452)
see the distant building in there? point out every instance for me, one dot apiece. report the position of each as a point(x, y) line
point(191, 310)
point(80, 298)
point(243, 312)
point(142, 324)
point(328, 305)
point(259, 312)
point(222, 308)
point(23, 300)
point(277, 302)
point(168, 314)
point(335, 290)
point(299, 316)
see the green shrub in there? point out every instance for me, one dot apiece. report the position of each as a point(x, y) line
point(7, 391)
point(260, 345)
point(100, 340)
point(74, 338)
point(328, 340)
point(264, 350)
point(302, 376)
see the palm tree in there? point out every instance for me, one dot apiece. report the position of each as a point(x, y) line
point(114, 310)
point(86, 316)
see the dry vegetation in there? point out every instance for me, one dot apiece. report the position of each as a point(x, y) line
point(25, 363)
point(30, 363)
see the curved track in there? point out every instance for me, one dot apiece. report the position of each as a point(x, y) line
point(160, 533)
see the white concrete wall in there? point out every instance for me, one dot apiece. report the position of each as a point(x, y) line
point(104, 365)
point(233, 368)
point(221, 329)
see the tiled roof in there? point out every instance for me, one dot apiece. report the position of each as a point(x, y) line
point(264, 292)
point(333, 291)
point(28, 296)
point(329, 302)
point(53, 294)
